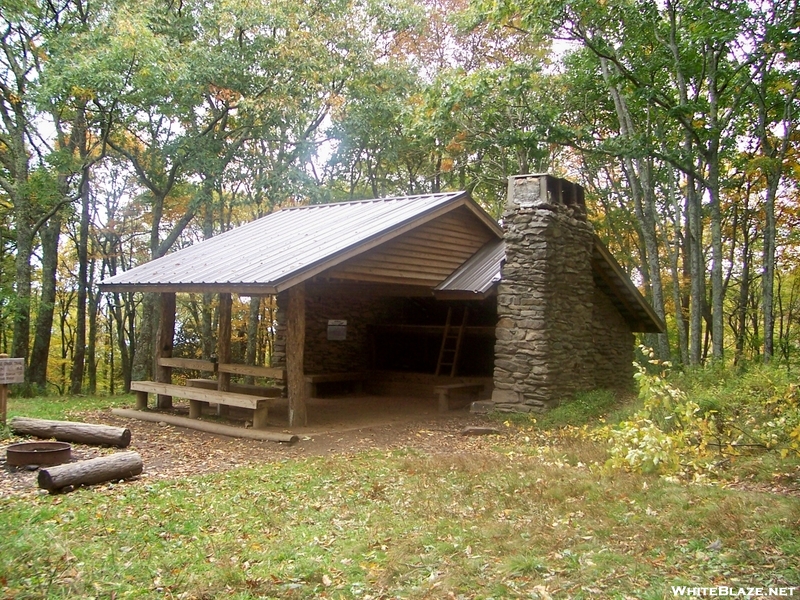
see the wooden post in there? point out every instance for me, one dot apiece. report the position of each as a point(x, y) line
point(295, 346)
point(3, 398)
point(12, 370)
point(166, 339)
point(224, 347)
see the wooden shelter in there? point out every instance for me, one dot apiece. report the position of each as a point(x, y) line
point(366, 290)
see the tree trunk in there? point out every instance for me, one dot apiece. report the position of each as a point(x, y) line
point(744, 285)
point(44, 319)
point(22, 294)
point(91, 347)
point(712, 158)
point(208, 338)
point(79, 356)
point(224, 340)
point(768, 278)
point(69, 431)
point(677, 297)
point(641, 186)
point(252, 332)
point(143, 358)
point(698, 275)
point(122, 465)
point(125, 335)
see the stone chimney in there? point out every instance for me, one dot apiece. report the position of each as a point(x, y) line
point(544, 348)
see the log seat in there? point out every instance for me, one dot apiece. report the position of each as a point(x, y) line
point(198, 396)
point(444, 392)
point(313, 379)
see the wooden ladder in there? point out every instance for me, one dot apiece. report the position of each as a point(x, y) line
point(451, 342)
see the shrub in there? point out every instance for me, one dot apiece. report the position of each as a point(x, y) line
point(694, 425)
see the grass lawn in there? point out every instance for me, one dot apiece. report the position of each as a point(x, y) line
point(527, 515)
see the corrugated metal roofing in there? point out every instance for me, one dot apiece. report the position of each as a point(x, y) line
point(479, 273)
point(483, 270)
point(284, 244)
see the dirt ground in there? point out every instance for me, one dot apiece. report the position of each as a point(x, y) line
point(335, 425)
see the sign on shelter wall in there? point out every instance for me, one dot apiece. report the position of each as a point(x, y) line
point(337, 329)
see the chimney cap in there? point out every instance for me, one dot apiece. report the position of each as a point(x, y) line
point(552, 191)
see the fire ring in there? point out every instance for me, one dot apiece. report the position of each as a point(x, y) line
point(43, 454)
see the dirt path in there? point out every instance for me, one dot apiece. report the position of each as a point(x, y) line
point(339, 426)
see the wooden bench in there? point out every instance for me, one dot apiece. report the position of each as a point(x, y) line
point(444, 392)
point(313, 380)
point(239, 388)
point(198, 396)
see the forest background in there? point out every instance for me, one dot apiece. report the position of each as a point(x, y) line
point(129, 130)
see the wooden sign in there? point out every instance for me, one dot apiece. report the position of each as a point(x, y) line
point(337, 329)
point(12, 370)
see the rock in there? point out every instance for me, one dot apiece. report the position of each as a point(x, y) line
point(481, 407)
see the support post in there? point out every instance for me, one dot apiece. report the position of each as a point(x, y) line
point(295, 347)
point(3, 398)
point(165, 341)
point(224, 347)
point(12, 370)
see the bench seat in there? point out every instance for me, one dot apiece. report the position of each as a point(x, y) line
point(313, 379)
point(444, 392)
point(239, 388)
point(199, 396)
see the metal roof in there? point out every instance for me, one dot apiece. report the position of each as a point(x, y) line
point(279, 250)
point(284, 248)
point(478, 275)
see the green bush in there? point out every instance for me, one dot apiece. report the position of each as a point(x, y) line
point(696, 423)
point(584, 408)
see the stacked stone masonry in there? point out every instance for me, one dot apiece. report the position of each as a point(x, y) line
point(556, 333)
point(333, 356)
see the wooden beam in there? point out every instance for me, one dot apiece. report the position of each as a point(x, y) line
point(188, 363)
point(166, 338)
point(367, 289)
point(254, 371)
point(195, 393)
point(224, 347)
point(295, 347)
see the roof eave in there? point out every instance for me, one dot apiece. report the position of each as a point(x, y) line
point(652, 323)
point(242, 289)
point(462, 199)
point(465, 294)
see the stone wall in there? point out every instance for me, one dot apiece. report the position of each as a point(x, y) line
point(332, 356)
point(614, 345)
point(544, 349)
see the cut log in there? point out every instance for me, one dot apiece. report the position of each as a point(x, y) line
point(69, 431)
point(122, 465)
point(252, 434)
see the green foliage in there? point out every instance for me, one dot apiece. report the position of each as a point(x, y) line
point(696, 425)
point(394, 524)
point(61, 407)
point(586, 408)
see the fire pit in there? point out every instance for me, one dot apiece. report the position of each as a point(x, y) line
point(43, 454)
